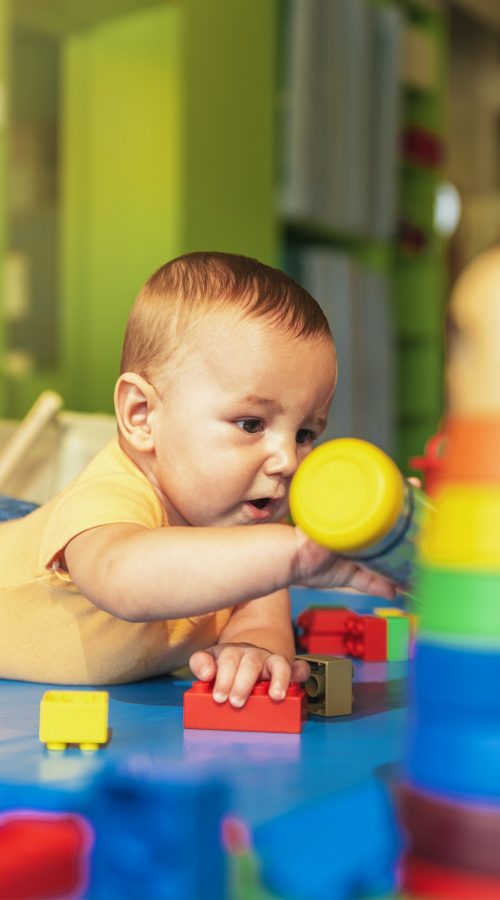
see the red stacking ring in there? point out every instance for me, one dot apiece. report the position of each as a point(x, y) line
point(422, 878)
point(471, 451)
point(448, 832)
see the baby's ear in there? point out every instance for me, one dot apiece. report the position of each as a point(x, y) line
point(134, 400)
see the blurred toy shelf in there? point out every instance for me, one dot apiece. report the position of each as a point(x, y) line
point(420, 281)
point(357, 199)
point(141, 129)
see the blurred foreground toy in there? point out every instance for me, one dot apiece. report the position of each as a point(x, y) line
point(449, 794)
point(349, 496)
point(140, 829)
point(355, 834)
point(260, 712)
point(74, 717)
point(158, 833)
point(43, 855)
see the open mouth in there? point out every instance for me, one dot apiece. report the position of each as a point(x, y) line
point(261, 503)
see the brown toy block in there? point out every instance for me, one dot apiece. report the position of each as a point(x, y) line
point(329, 687)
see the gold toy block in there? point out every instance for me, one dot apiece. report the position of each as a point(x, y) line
point(74, 717)
point(329, 687)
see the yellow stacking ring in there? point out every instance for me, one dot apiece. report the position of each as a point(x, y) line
point(346, 495)
point(464, 531)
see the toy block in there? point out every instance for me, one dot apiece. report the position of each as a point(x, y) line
point(339, 631)
point(366, 638)
point(389, 612)
point(43, 855)
point(260, 712)
point(398, 638)
point(325, 619)
point(329, 687)
point(74, 717)
point(329, 644)
point(324, 629)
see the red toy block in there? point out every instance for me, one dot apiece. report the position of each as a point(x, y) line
point(366, 638)
point(43, 855)
point(330, 644)
point(342, 632)
point(325, 619)
point(422, 878)
point(324, 629)
point(260, 712)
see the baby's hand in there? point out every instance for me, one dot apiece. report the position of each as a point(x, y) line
point(316, 566)
point(237, 667)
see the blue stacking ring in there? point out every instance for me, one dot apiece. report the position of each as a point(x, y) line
point(456, 680)
point(459, 758)
point(454, 735)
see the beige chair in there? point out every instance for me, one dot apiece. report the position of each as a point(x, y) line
point(41, 454)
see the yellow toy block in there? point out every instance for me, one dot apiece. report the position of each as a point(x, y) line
point(74, 717)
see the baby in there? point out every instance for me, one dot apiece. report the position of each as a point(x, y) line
point(172, 545)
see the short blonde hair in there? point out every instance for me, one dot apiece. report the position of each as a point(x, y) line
point(205, 281)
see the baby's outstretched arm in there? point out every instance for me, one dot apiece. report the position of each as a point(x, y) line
point(257, 643)
point(141, 574)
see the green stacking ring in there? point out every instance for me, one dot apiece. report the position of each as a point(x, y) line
point(460, 605)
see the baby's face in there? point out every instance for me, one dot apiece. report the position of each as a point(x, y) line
point(232, 427)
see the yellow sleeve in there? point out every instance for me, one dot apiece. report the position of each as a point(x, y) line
point(100, 500)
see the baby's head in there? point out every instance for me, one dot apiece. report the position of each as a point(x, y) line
point(182, 296)
point(227, 373)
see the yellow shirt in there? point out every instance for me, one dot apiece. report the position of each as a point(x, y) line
point(49, 632)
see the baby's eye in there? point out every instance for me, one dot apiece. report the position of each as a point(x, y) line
point(251, 426)
point(305, 436)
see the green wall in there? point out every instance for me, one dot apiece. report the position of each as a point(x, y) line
point(166, 126)
point(229, 80)
point(167, 147)
point(122, 173)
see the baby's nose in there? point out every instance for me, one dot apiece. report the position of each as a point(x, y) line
point(282, 458)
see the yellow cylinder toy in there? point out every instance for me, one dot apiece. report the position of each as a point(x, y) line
point(349, 496)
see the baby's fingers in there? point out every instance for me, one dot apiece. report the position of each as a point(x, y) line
point(202, 665)
point(280, 671)
point(248, 672)
point(372, 583)
point(300, 671)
